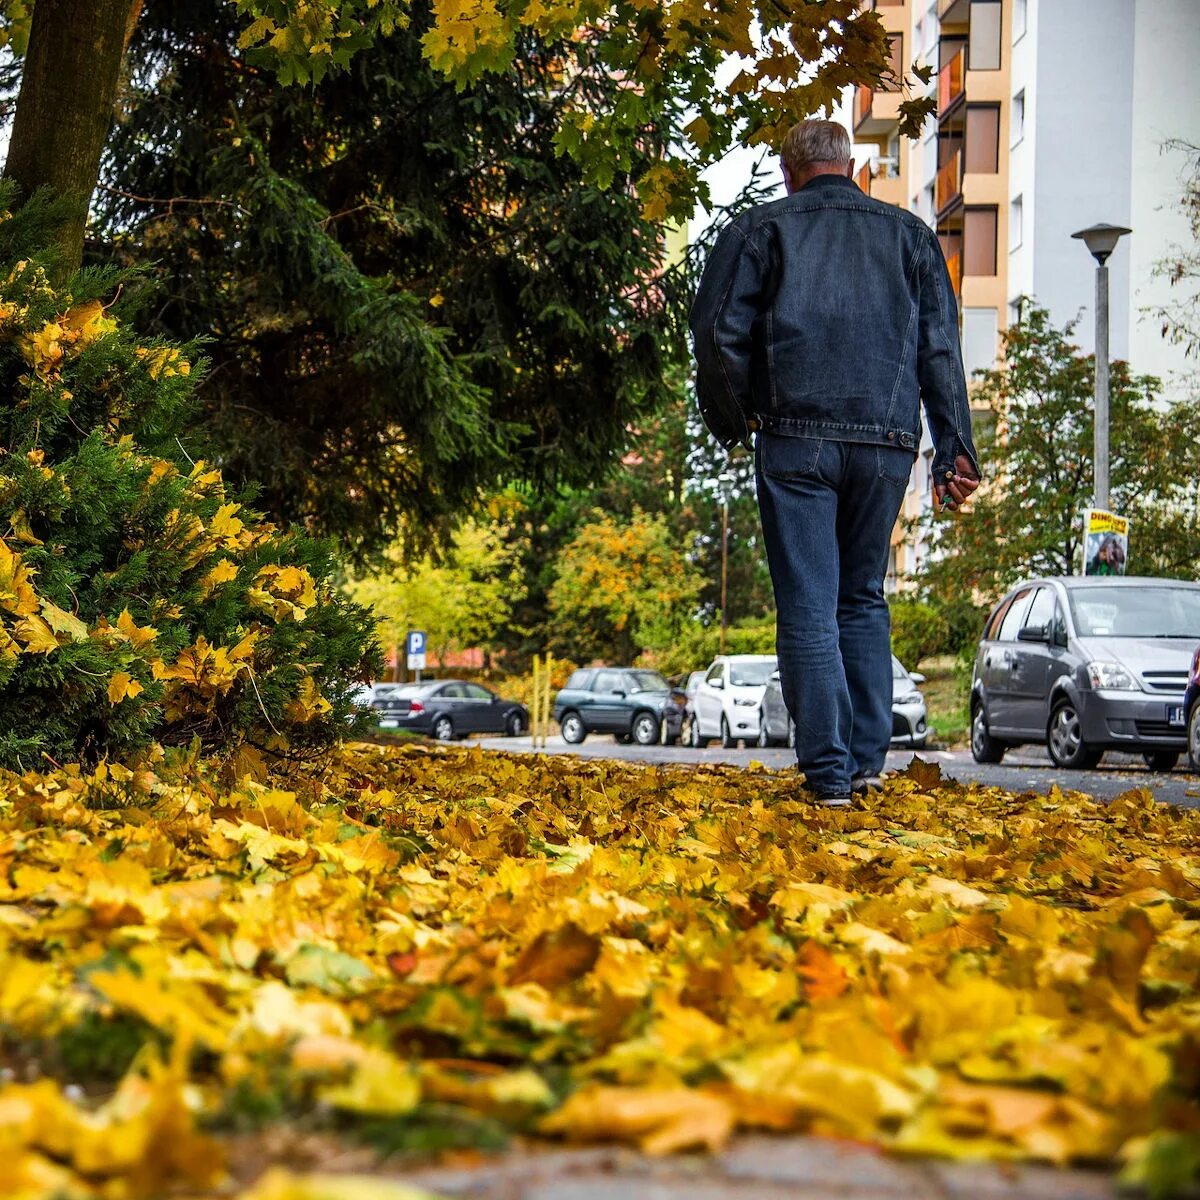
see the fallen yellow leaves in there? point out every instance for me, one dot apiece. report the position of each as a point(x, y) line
point(583, 950)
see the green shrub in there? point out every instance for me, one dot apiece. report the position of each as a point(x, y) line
point(924, 626)
point(139, 601)
point(700, 644)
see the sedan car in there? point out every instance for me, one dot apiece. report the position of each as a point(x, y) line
point(630, 703)
point(1086, 664)
point(909, 718)
point(448, 709)
point(728, 698)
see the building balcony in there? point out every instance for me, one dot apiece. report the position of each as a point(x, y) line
point(876, 114)
point(863, 178)
point(952, 84)
point(954, 12)
point(863, 96)
point(954, 266)
point(947, 187)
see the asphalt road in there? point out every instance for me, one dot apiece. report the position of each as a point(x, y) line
point(1028, 769)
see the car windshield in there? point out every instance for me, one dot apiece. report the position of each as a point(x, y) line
point(1161, 612)
point(648, 681)
point(751, 674)
point(898, 672)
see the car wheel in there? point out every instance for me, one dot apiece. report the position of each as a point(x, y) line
point(1161, 760)
point(1194, 737)
point(622, 739)
point(514, 724)
point(984, 747)
point(572, 728)
point(728, 741)
point(1064, 739)
point(765, 740)
point(443, 729)
point(645, 729)
point(693, 736)
point(791, 734)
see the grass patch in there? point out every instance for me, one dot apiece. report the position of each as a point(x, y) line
point(947, 690)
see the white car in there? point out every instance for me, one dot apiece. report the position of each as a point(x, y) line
point(727, 702)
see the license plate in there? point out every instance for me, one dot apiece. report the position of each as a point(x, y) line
point(1175, 714)
point(389, 723)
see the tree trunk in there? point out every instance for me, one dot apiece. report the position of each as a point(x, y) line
point(65, 108)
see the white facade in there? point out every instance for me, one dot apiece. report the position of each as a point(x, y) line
point(1106, 85)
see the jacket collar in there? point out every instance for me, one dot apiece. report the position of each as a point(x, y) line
point(829, 181)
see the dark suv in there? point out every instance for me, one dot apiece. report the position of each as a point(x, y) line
point(635, 705)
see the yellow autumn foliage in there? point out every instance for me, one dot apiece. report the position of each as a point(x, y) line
point(949, 970)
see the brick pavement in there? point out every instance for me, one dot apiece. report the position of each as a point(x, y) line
point(753, 1168)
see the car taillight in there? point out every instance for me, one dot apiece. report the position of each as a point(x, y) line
point(416, 707)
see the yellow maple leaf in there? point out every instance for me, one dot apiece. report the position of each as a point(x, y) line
point(137, 636)
point(37, 635)
point(64, 622)
point(308, 702)
point(122, 686)
point(16, 591)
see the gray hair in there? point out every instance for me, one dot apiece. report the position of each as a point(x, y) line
point(812, 142)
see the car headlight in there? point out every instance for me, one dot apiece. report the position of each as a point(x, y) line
point(1110, 675)
point(911, 698)
point(744, 703)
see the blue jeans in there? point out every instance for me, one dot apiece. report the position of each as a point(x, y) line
point(828, 509)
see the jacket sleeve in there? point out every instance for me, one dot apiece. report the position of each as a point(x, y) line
point(940, 366)
point(728, 302)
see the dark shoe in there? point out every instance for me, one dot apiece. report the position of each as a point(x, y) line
point(833, 799)
point(862, 785)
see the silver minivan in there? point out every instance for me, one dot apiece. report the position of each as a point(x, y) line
point(1086, 664)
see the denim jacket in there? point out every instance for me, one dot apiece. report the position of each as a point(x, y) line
point(828, 314)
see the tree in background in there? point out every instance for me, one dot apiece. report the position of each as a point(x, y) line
point(1037, 463)
point(1181, 319)
point(621, 587)
point(463, 600)
point(794, 58)
point(410, 297)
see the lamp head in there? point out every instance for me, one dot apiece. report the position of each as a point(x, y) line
point(1101, 239)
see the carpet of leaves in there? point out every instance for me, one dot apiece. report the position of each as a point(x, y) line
point(423, 948)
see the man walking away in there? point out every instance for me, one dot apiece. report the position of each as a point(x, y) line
point(822, 322)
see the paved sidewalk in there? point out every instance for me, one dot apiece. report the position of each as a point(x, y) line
point(753, 1168)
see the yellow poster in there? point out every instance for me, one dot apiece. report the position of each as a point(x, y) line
point(1105, 542)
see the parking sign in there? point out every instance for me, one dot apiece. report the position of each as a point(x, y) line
point(414, 646)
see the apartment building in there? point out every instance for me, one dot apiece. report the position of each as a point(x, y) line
point(1051, 115)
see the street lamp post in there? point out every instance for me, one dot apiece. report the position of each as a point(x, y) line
point(1101, 240)
point(724, 480)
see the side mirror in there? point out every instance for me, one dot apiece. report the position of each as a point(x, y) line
point(1033, 633)
point(774, 676)
point(916, 676)
point(718, 683)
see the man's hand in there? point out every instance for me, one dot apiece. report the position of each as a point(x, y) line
point(952, 490)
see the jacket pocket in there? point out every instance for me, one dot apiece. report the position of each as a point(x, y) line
point(791, 457)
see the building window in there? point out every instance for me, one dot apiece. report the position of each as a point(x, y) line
point(1020, 19)
point(983, 139)
point(983, 53)
point(895, 63)
point(1018, 116)
point(1016, 222)
point(979, 339)
point(979, 241)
